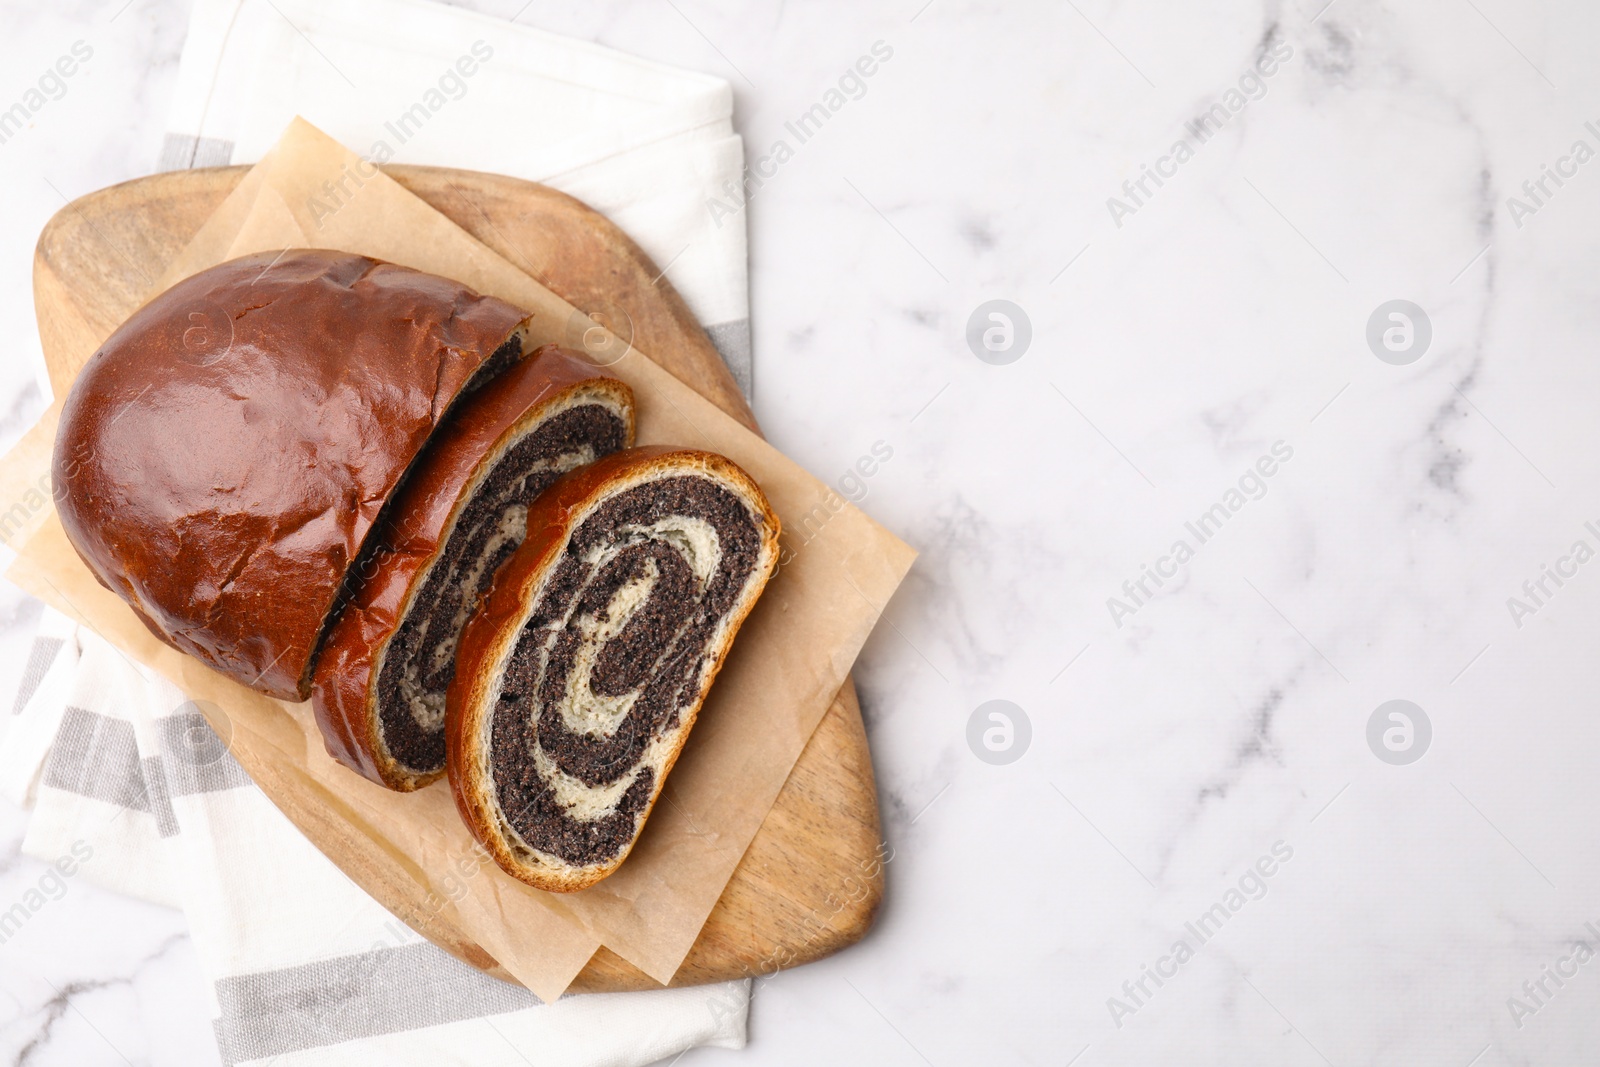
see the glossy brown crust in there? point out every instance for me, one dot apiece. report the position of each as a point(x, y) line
point(224, 454)
point(344, 691)
point(492, 632)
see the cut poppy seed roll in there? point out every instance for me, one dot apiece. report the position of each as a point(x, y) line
point(379, 689)
point(579, 679)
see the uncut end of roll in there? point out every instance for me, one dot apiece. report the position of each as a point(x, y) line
point(380, 686)
point(224, 456)
point(579, 680)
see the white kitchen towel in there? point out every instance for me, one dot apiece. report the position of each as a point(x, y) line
point(651, 147)
point(132, 790)
point(128, 786)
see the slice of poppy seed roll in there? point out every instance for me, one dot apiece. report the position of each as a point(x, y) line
point(578, 680)
point(379, 688)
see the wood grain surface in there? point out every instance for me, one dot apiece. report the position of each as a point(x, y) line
point(812, 879)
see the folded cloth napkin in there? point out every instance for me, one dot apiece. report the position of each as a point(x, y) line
point(132, 790)
point(128, 786)
point(409, 81)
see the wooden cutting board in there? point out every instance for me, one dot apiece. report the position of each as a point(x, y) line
point(812, 879)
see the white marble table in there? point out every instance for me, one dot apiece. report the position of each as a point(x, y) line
point(1204, 729)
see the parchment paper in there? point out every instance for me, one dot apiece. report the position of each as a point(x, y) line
point(786, 666)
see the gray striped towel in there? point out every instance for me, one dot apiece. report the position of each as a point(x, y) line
point(130, 789)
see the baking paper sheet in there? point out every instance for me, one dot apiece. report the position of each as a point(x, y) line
point(788, 663)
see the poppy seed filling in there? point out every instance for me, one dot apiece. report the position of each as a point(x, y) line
point(419, 659)
point(613, 652)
